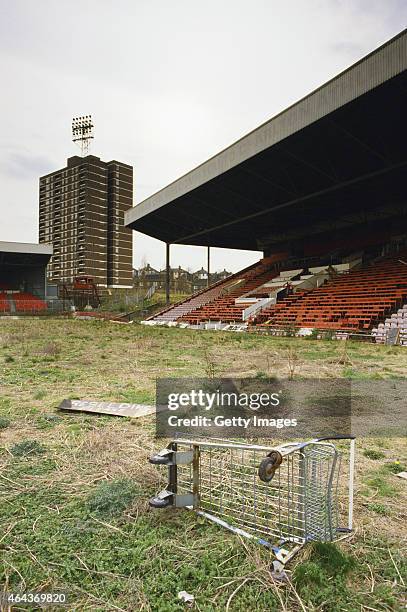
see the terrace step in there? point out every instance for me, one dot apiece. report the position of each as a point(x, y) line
point(357, 299)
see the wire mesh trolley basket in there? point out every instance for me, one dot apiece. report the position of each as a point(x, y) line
point(282, 496)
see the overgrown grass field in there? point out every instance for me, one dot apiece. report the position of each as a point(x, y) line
point(74, 488)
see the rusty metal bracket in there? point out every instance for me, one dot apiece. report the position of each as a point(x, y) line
point(167, 498)
point(172, 457)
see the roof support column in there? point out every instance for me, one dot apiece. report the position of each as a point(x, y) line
point(167, 273)
point(209, 266)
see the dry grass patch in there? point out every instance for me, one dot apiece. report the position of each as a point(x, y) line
point(52, 534)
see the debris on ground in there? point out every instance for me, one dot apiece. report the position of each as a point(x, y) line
point(114, 409)
point(186, 598)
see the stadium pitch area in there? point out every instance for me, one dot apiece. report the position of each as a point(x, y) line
point(75, 487)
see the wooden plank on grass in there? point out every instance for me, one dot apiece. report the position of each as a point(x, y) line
point(114, 409)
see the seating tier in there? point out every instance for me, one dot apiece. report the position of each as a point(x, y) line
point(355, 300)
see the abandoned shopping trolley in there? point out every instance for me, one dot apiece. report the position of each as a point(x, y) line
point(282, 496)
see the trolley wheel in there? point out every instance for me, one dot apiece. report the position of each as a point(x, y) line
point(158, 502)
point(160, 459)
point(268, 466)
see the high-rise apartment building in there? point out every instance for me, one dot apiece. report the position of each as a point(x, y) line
point(82, 210)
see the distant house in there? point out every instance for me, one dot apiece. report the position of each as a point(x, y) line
point(181, 280)
point(144, 277)
point(199, 280)
point(222, 275)
point(201, 274)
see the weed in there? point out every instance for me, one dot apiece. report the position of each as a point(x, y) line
point(26, 448)
point(47, 421)
point(210, 367)
point(9, 359)
point(384, 489)
point(51, 349)
point(4, 422)
point(40, 394)
point(308, 572)
point(112, 498)
point(53, 418)
point(5, 405)
point(332, 559)
point(395, 467)
point(373, 454)
point(378, 508)
point(343, 357)
point(261, 375)
point(137, 396)
point(323, 577)
point(292, 362)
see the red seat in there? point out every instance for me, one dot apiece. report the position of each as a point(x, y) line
point(355, 300)
point(28, 303)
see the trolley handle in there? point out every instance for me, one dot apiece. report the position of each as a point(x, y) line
point(337, 437)
point(302, 445)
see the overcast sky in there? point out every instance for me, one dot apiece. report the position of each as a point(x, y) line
point(169, 83)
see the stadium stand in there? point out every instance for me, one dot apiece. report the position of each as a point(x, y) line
point(347, 296)
point(224, 308)
point(23, 286)
point(220, 290)
point(19, 302)
point(4, 303)
point(198, 300)
point(322, 181)
point(28, 303)
point(356, 300)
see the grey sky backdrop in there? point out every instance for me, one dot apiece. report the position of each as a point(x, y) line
point(169, 84)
